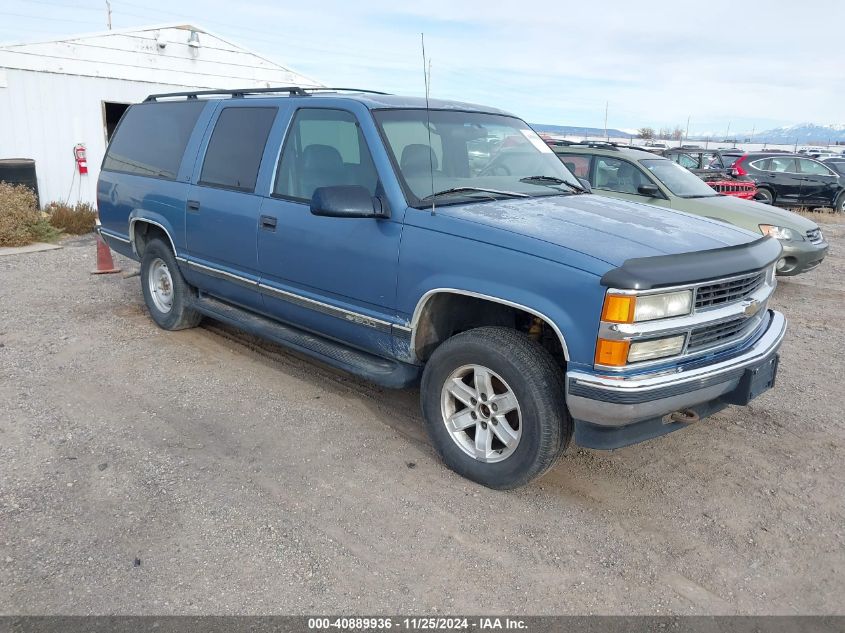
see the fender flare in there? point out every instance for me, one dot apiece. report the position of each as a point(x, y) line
point(134, 219)
point(423, 301)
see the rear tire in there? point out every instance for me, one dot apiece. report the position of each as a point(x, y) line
point(166, 293)
point(765, 196)
point(494, 406)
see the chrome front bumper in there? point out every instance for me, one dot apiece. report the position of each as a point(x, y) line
point(618, 401)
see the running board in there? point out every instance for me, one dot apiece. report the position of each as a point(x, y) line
point(387, 373)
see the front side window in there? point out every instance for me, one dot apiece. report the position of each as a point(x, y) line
point(681, 182)
point(457, 157)
point(613, 174)
point(152, 137)
point(235, 149)
point(324, 148)
point(812, 167)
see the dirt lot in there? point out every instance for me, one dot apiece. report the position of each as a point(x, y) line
point(143, 471)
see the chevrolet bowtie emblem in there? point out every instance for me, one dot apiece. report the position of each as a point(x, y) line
point(751, 308)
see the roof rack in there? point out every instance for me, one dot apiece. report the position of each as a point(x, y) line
point(293, 91)
point(597, 145)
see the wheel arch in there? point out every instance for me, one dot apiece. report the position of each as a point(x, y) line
point(137, 235)
point(424, 340)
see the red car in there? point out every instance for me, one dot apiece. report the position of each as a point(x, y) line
point(700, 162)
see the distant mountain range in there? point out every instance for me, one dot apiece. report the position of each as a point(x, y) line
point(803, 133)
point(571, 130)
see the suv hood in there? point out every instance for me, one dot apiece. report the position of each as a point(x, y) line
point(747, 213)
point(607, 229)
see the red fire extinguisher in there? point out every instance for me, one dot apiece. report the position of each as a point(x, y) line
point(81, 158)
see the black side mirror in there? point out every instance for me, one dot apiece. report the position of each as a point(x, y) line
point(346, 201)
point(649, 190)
point(586, 185)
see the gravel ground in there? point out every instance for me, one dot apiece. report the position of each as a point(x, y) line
point(205, 472)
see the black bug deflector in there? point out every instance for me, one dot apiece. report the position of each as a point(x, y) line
point(646, 273)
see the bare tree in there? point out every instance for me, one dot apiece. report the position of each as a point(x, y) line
point(678, 133)
point(646, 133)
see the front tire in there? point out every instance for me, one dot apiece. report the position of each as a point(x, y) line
point(839, 203)
point(166, 292)
point(494, 407)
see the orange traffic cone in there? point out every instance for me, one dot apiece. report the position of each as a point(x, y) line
point(105, 264)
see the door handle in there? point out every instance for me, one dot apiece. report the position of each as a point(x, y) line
point(268, 222)
point(194, 205)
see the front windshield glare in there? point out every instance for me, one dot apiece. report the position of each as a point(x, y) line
point(681, 182)
point(469, 152)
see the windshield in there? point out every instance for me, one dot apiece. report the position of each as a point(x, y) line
point(678, 180)
point(470, 156)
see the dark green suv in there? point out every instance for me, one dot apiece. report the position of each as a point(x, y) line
point(639, 176)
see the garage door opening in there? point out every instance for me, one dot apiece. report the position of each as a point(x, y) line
point(111, 115)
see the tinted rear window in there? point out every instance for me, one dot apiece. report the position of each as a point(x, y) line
point(151, 138)
point(236, 146)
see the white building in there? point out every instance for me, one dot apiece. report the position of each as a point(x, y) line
point(58, 94)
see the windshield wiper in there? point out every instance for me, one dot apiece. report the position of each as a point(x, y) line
point(445, 192)
point(551, 181)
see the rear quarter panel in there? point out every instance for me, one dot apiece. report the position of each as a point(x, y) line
point(122, 197)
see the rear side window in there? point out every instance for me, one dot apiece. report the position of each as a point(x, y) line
point(729, 159)
point(690, 161)
point(785, 165)
point(235, 149)
point(578, 164)
point(151, 138)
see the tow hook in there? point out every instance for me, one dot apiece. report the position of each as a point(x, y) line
point(687, 416)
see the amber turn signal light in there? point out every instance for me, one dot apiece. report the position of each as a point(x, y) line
point(619, 308)
point(612, 353)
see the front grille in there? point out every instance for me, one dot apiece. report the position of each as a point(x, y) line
point(815, 236)
point(731, 187)
point(719, 334)
point(730, 291)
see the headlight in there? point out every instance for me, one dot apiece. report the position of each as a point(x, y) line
point(633, 308)
point(781, 233)
point(656, 348)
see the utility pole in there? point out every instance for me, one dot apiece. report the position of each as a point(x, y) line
point(606, 105)
point(108, 14)
point(728, 132)
point(686, 135)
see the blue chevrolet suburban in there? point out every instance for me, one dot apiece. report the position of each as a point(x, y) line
point(441, 244)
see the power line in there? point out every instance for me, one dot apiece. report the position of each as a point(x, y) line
point(64, 6)
point(42, 17)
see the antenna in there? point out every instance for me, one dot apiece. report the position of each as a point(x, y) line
point(427, 76)
point(606, 106)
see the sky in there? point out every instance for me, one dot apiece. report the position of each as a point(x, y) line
point(722, 64)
